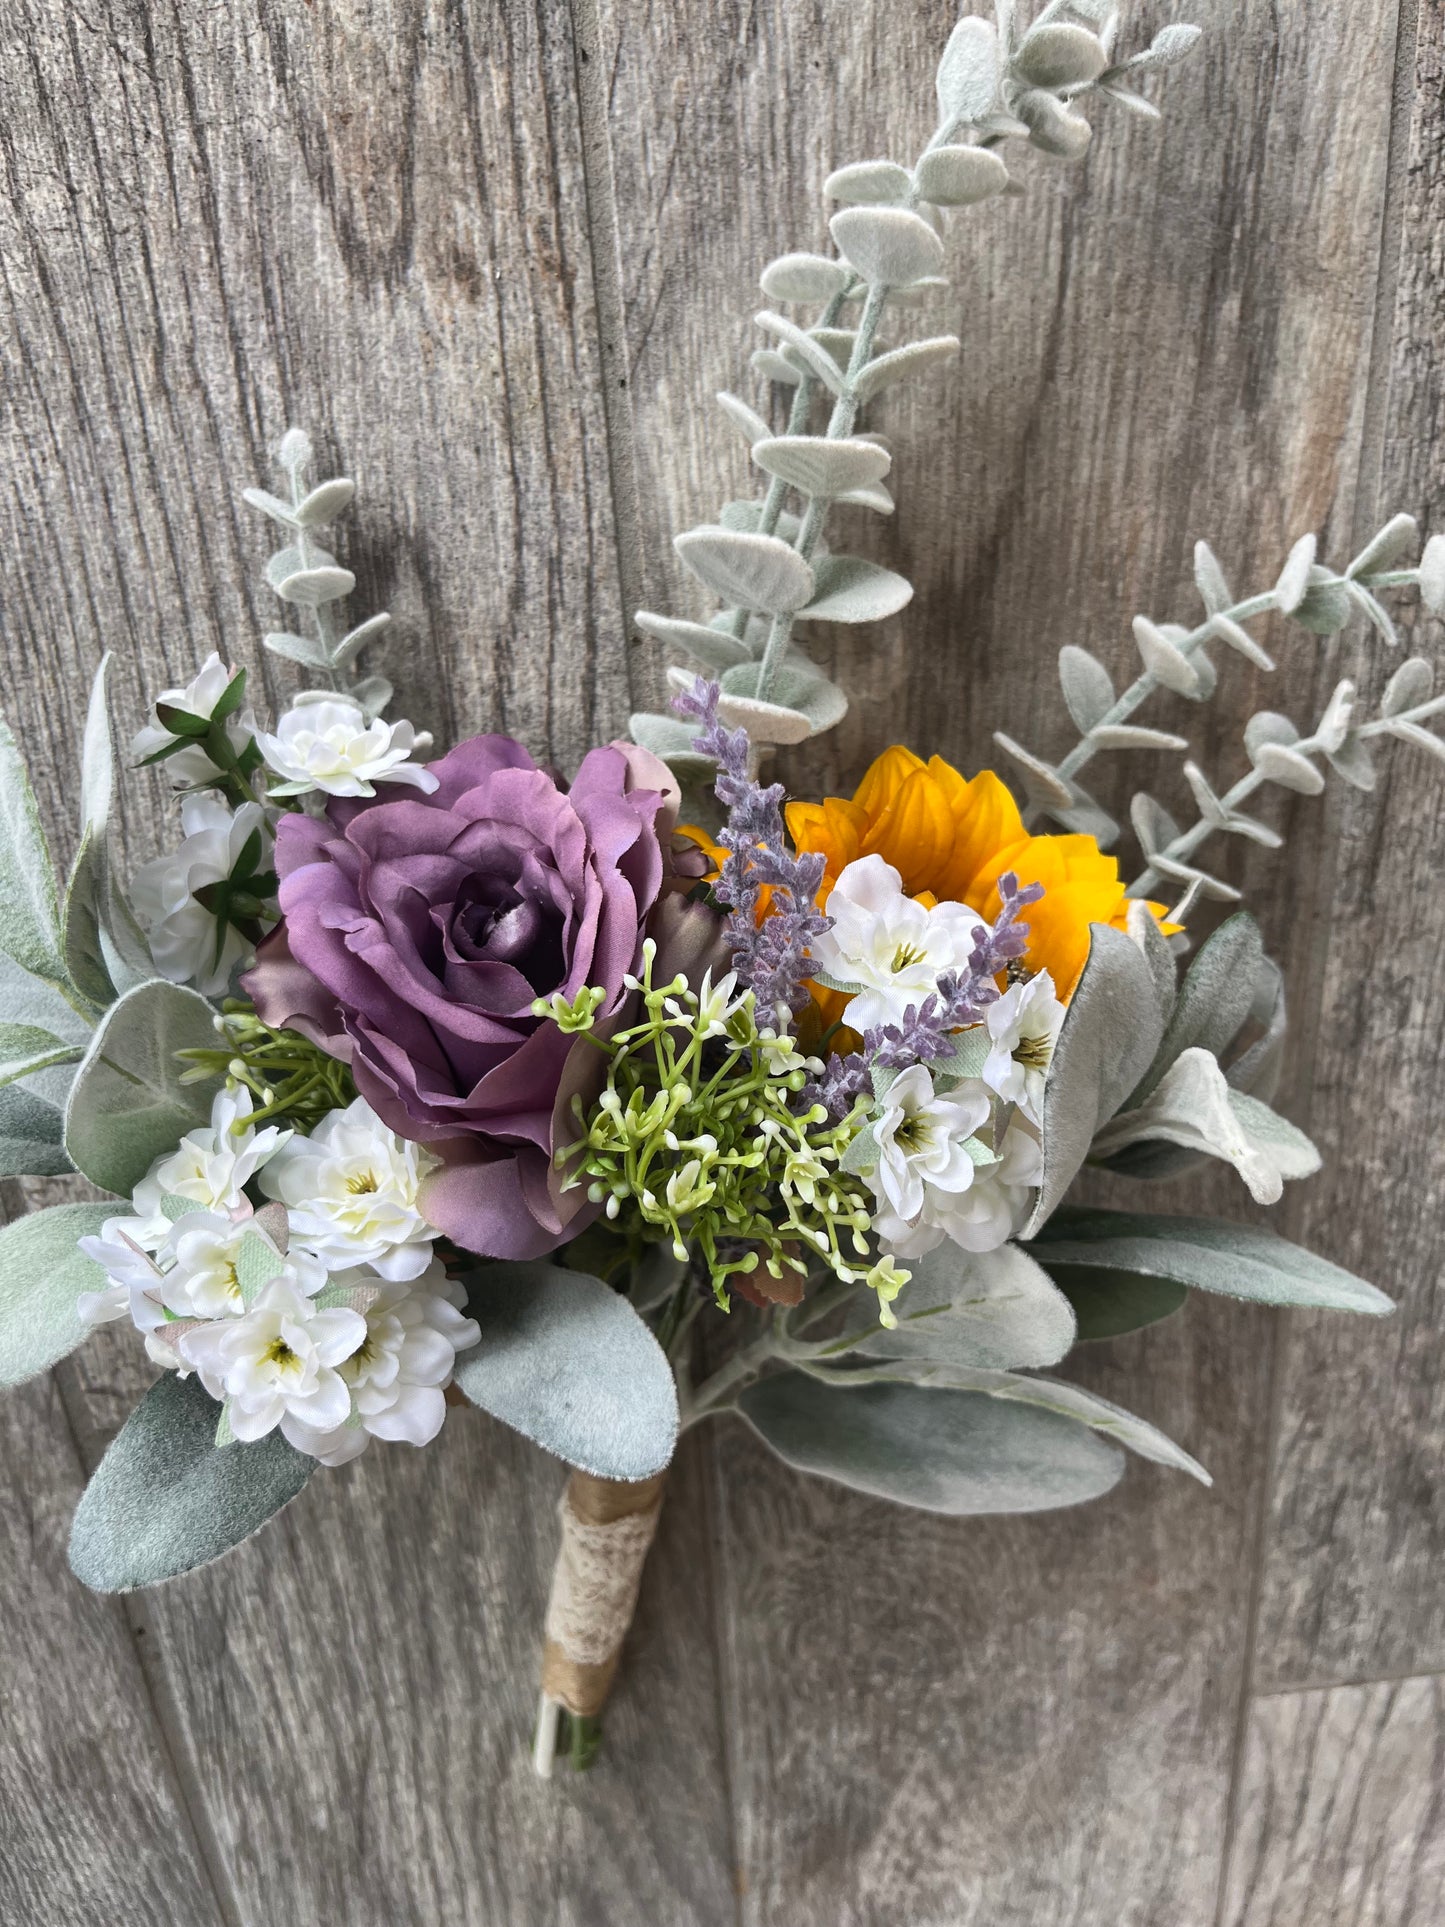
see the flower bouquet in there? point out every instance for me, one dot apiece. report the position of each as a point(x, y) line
point(411, 1080)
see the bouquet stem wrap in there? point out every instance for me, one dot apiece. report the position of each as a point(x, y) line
point(607, 1528)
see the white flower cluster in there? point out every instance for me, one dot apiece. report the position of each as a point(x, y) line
point(958, 1163)
point(323, 1313)
point(325, 743)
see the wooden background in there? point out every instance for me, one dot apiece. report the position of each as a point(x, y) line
point(498, 254)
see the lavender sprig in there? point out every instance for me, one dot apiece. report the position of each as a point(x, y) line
point(771, 958)
point(925, 1034)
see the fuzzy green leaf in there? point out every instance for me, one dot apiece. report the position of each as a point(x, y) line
point(166, 1499)
point(42, 1274)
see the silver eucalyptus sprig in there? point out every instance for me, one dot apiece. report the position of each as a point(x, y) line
point(769, 566)
point(308, 577)
point(1323, 601)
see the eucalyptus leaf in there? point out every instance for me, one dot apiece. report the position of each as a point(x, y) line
point(324, 502)
point(1165, 662)
point(1410, 685)
point(713, 648)
point(312, 587)
point(849, 589)
point(42, 1274)
point(800, 688)
point(127, 1104)
point(899, 364)
point(1385, 548)
point(1294, 578)
point(968, 73)
point(772, 366)
point(960, 176)
point(303, 649)
point(820, 465)
point(670, 738)
point(804, 277)
point(811, 353)
point(1288, 768)
point(889, 246)
point(748, 420)
point(1324, 608)
point(355, 640)
point(1432, 575)
point(1045, 783)
point(959, 1453)
point(1088, 688)
point(1053, 128)
point(746, 569)
point(1209, 579)
point(1060, 54)
point(1238, 1260)
point(566, 1361)
point(166, 1499)
point(1110, 1034)
point(1136, 736)
point(866, 183)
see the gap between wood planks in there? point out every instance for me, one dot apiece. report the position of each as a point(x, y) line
point(1368, 485)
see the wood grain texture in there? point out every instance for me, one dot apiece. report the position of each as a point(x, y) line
point(368, 217)
point(373, 216)
point(1343, 1809)
point(93, 1826)
point(1033, 1722)
point(1351, 1583)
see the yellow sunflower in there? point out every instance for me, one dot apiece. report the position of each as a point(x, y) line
point(951, 839)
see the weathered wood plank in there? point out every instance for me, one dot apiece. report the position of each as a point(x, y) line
point(1357, 1533)
point(92, 1823)
point(1341, 1811)
point(1029, 1722)
point(369, 218)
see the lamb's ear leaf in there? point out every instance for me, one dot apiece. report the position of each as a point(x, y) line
point(1109, 1303)
point(32, 1136)
point(1240, 1260)
point(1214, 999)
point(1110, 1034)
point(87, 891)
point(567, 1362)
point(29, 909)
point(128, 1105)
point(989, 1308)
point(166, 1499)
point(42, 1274)
point(961, 1453)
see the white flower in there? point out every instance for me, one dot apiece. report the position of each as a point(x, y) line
point(1024, 1026)
point(350, 1191)
point(327, 744)
point(893, 947)
point(125, 1251)
point(198, 698)
point(183, 934)
point(717, 1004)
point(276, 1365)
point(397, 1374)
point(212, 1167)
point(201, 1266)
point(927, 1155)
point(994, 1207)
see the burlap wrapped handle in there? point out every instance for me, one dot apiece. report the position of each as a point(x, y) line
point(607, 1528)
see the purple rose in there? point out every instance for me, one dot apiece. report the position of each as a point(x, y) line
point(418, 933)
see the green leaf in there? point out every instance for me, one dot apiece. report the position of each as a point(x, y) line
point(86, 891)
point(747, 570)
point(1053, 1395)
point(165, 1499)
point(42, 1274)
point(1109, 1038)
point(128, 1105)
point(32, 1136)
point(1241, 1261)
point(29, 911)
point(567, 1362)
point(1109, 1303)
point(968, 73)
point(850, 589)
point(959, 1453)
point(990, 1308)
point(1214, 999)
point(25, 1049)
